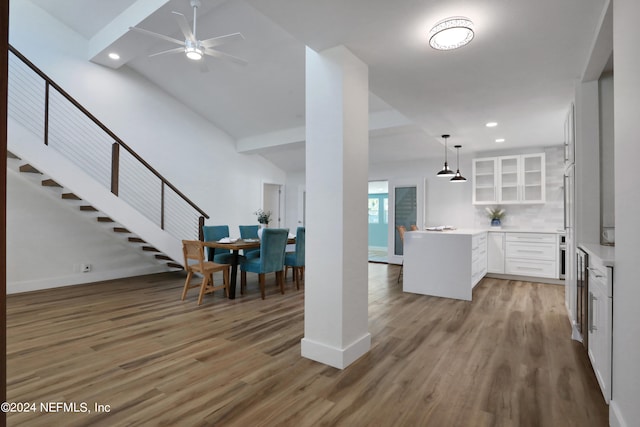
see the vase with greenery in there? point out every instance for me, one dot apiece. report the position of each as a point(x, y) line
point(496, 215)
point(264, 217)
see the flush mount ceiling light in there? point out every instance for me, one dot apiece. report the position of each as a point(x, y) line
point(446, 171)
point(451, 33)
point(114, 56)
point(491, 124)
point(458, 176)
point(500, 140)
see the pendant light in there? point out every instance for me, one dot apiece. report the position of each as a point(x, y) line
point(446, 172)
point(458, 177)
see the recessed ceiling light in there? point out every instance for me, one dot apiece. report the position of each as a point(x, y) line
point(499, 140)
point(451, 33)
point(114, 56)
point(491, 124)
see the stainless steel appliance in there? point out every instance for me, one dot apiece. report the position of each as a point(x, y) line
point(582, 295)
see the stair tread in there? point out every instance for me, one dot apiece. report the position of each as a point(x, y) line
point(88, 208)
point(50, 183)
point(149, 249)
point(175, 265)
point(120, 230)
point(70, 196)
point(104, 219)
point(29, 169)
point(165, 257)
point(10, 155)
point(136, 240)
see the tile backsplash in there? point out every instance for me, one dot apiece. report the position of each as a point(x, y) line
point(549, 215)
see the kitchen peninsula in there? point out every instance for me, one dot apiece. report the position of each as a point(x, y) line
point(444, 263)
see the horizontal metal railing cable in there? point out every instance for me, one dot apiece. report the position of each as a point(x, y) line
point(45, 109)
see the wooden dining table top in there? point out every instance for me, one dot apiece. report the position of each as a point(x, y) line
point(240, 244)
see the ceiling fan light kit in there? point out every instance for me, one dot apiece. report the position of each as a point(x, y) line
point(451, 33)
point(193, 48)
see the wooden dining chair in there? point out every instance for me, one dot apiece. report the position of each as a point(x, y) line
point(295, 260)
point(194, 262)
point(271, 260)
point(401, 229)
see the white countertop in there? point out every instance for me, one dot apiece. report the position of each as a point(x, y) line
point(456, 231)
point(607, 254)
point(526, 230)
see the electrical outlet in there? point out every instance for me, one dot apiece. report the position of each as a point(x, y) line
point(85, 268)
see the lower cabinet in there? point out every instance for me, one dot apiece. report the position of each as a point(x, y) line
point(599, 324)
point(523, 254)
point(478, 258)
point(495, 252)
point(531, 254)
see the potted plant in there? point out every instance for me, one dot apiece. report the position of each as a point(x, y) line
point(263, 217)
point(496, 215)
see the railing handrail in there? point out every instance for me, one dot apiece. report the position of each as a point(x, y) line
point(104, 128)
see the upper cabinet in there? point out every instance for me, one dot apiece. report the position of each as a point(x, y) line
point(509, 179)
point(485, 180)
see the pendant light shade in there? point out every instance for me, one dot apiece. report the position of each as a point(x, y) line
point(446, 172)
point(458, 176)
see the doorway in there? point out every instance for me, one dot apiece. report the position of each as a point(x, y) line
point(272, 201)
point(378, 209)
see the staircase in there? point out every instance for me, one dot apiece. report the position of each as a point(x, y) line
point(85, 208)
point(53, 137)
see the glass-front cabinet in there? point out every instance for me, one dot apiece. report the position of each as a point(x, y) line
point(484, 181)
point(509, 179)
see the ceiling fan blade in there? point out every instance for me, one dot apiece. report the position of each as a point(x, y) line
point(156, 35)
point(222, 55)
point(184, 26)
point(175, 50)
point(203, 66)
point(216, 41)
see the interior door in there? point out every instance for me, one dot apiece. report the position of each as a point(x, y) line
point(272, 201)
point(406, 207)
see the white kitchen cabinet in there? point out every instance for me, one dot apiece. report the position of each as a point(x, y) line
point(509, 179)
point(599, 323)
point(495, 252)
point(531, 254)
point(484, 172)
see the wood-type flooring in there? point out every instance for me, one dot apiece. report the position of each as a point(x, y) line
point(131, 345)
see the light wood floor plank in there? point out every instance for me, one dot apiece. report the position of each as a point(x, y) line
point(505, 359)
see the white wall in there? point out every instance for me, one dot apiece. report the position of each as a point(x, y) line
point(48, 238)
point(193, 154)
point(624, 410)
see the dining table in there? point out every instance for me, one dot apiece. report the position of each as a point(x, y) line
point(235, 246)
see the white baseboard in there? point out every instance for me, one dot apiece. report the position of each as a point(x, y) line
point(81, 279)
point(527, 278)
point(615, 417)
point(337, 357)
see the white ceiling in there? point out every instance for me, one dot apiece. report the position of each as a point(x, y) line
point(520, 69)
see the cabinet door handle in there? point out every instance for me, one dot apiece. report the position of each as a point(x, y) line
point(592, 327)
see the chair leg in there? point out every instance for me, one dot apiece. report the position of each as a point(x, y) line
point(243, 281)
point(297, 272)
point(205, 281)
point(186, 285)
point(280, 280)
point(261, 280)
point(225, 279)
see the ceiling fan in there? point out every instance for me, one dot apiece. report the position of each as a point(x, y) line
point(193, 48)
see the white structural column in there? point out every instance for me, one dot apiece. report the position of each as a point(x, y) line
point(336, 274)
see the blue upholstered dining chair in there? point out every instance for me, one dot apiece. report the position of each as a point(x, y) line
point(295, 259)
point(250, 232)
point(271, 259)
point(213, 233)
